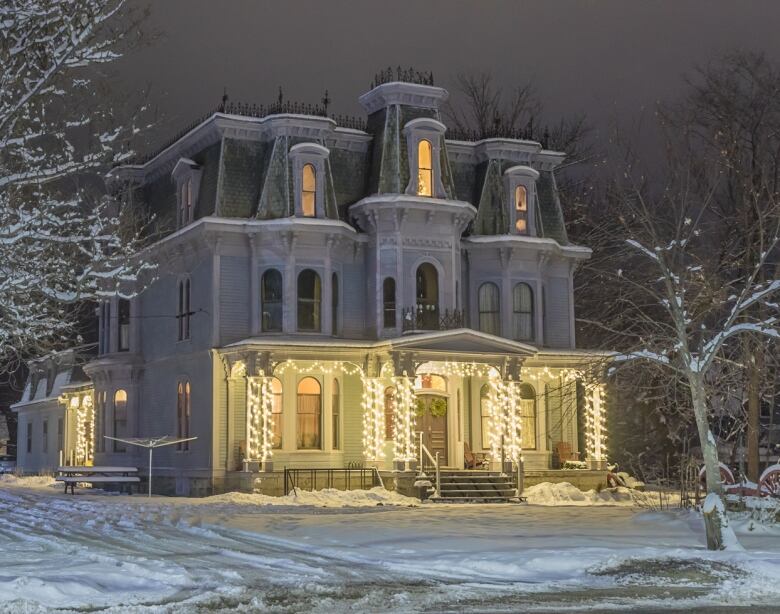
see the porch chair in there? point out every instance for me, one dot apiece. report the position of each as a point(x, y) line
point(473, 460)
point(563, 448)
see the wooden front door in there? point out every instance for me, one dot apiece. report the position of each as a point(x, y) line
point(433, 424)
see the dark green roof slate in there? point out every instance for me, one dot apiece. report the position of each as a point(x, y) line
point(243, 166)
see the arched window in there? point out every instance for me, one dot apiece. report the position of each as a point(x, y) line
point(484, 414)
point(183, 312)
point(521, 210)
point(527, 417)
point(276, 413)
point(430, 381)
point(522, 313)
point(335, 410)
point(271, 301)
point(309, 297)
point(183, 414)
point(120, 419)
point(427, 297)
point(309, 414)
point(424, 168)
point(309, 191)
point(334, 304)
point(489, 301)
point(389, 412)
point(388, 300)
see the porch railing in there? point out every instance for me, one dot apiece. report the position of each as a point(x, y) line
point(362, 478)
point(428, 317)
point(435, 461)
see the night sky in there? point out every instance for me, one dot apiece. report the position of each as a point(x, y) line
point(611, 60)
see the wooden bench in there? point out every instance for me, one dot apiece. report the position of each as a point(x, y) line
point(71, 476)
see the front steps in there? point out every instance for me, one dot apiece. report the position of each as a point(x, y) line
point(473, 487)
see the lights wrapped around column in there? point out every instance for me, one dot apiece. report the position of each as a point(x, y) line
point(373, 419)
point(259, 419)
point(596, 423)
point(404, 420)
point(85, 425)
point(513, 448)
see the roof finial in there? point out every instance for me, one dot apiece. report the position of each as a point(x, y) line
point(325, 102)
point(224, 99)
point(281, 96)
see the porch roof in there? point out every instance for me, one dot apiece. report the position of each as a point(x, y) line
point(454, 345)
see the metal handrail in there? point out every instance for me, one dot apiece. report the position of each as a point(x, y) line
point(435, 462)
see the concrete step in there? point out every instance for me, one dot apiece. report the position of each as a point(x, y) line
point(475, 500)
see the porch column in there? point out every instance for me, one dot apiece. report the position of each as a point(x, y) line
point(595, 424)
point(259, 428)
point(505, 422)
point(404, 442)
point(373, 419)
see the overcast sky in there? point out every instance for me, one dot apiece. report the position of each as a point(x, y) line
point(609, 59)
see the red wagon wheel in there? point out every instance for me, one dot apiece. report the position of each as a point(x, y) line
point(726, 477)
point(769, 482)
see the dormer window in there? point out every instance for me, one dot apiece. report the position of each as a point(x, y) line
point(309, 191)
point(186, 174)
point(521, 210)
point(424, 168)
point(425, 138)
point(520, 184)
point(308, 162)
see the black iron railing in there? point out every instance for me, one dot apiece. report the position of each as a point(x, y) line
point(428, 317)
point(363, 478)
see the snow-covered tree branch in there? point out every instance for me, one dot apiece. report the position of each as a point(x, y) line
point(64, 239)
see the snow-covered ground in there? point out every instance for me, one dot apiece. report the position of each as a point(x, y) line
point(244, 553)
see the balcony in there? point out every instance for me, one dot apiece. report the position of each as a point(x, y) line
point(428, 317)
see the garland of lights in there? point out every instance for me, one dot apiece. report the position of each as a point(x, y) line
point(505, 422)
point(404, 448)
point(373, 419)
point(85, 420)
point(260, 408)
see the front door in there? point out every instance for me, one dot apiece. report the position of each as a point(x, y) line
point(432, 421)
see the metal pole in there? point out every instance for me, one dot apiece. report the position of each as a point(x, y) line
point(438, 478)
point(150, 470)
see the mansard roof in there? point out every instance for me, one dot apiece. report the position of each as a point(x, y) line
point(246, 170)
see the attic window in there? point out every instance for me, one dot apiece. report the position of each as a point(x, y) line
point(521, 209)
point(186, 175)
point(424, 168)
point(309, 191)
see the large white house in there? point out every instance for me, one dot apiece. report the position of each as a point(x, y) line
point(326, 293)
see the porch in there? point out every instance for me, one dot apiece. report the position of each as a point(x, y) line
point(329, 406)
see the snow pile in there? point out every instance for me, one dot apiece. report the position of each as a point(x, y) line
point(27, 481)
point(564, 493)
point(328, 497)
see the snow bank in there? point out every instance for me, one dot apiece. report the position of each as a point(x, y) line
point(328, 497)
point(564, 493)
point(28, 481)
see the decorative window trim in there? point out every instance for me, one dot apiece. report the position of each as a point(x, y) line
point(429, 129)
point(186, 174)
point(316, 155)
point(521, 176)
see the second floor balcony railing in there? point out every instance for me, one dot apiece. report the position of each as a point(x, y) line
point(428, 317)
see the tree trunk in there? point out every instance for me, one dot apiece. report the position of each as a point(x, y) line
point(754, 408)
point(712, 521)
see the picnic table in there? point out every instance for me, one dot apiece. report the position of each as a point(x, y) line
point(72, 475)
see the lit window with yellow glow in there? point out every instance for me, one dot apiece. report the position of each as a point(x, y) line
point(309, 190)
point(521, 209)
point(424, 168)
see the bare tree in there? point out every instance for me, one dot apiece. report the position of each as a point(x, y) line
point(731, 117)
point(63, 239)
point(675, 304)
